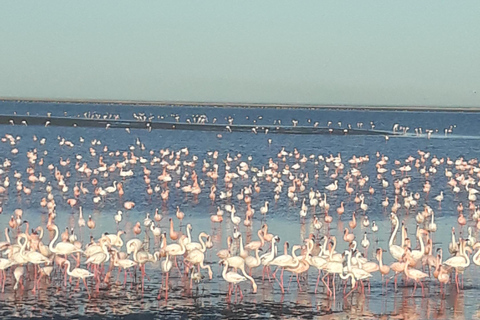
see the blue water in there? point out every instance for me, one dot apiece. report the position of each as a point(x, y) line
point(283, 217)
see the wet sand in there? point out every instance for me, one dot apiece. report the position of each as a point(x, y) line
point(167, 125)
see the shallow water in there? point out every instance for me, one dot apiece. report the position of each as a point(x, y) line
point(208, 298)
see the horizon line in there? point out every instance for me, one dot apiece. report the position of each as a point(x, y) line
point(379, 107)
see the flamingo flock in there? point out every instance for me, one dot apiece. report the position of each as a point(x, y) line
point(324, 190)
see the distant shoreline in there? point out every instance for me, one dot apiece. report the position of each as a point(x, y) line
point(247, 105)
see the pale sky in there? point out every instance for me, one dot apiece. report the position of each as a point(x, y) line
point(320, 52)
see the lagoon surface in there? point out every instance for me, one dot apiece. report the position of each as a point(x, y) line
point(454, 136)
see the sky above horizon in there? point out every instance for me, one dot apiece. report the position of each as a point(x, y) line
point(318, 52)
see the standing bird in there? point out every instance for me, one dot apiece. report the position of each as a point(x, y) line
point(79, 273)
point(232, 278)
point(166, 265)
point(90, 223)
point(81, 220)
point(180, 215)
point(264, 209)
point(118, 217)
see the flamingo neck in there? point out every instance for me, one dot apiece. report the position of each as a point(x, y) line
point(380, 260)
point(348, 275)
point(332, 249)
point(274, 249)
point(26, 228)
point(310, 246)
point(204, 247)
point(257, 257)
point(405, 269)
point(475, 257)
point(324, 247)
point(422, 245)
point(437, 264)
point(349, 260)
point(69, 272)
point(224, 272)
point(23, 245)
point(135, 252)
point(50, 246)
point(465, 255)
point(182, 246)
point(260, 235)
point(390, 243)
point(164, 244)
point(295, 258)
point(105, 249)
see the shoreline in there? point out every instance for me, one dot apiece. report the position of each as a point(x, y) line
point(20, 120)
point(245, 105)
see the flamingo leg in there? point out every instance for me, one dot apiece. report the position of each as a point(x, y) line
point(166, 287)
point(333, 281)
point(456, 281)
point(275, 273)
point(143, 276)
point(281, 281)
point(86, 287)
point(35, 279)
point(65, 277)
point(353, 288)
point(241, 293)
point(289, 281)
point(118, 274)
point(299, 286)
point(39, 278)
point(176, 265)
point(318, 280)
point(267, 268)
point(329, 292)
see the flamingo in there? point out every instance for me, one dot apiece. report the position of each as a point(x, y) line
point(414, 274)
point(166, 266)
point(459, 262)
point(396, 251)
point(232, 278)
point(79, 273)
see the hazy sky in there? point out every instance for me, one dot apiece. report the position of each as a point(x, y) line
point(356, 52)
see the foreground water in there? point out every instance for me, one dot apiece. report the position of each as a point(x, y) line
point(208, 298)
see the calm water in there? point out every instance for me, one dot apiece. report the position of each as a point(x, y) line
point(207, 299)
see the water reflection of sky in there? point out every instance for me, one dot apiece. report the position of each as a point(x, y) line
point(207, 299)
